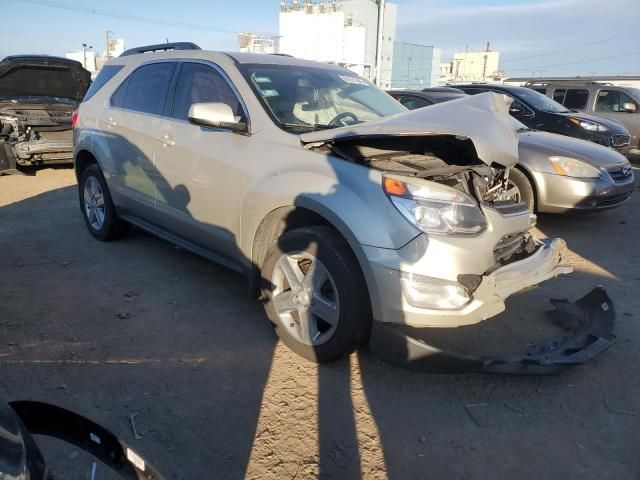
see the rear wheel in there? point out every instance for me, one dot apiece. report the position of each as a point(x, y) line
point(524, 193)
point(315, 294)
point(96, 205)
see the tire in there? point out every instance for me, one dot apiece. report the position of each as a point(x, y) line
point(103, 223)
point(340, 297)
point(521, 181)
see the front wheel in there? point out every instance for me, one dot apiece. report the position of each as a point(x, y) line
point(315, 294)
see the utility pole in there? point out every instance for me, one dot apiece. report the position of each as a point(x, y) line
point(379, 42)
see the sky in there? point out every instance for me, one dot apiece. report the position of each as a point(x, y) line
point(541, 37)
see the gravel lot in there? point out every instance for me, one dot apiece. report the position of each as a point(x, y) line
point(140, 327)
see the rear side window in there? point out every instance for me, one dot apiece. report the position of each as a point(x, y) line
point(147, 88)
point(198, 83)
point(575, 98)
point(414, 102)
point(558, 95)
point(103, 77)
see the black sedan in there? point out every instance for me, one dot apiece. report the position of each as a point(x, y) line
point(540, 112)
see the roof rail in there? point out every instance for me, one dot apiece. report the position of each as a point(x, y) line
point(161, 47)
point(542, 83)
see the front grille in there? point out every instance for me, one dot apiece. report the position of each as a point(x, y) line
point(614, 200)
point(620, 173)
point(620, 140)
point(507, 246)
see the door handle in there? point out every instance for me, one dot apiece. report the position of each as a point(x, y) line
point(167, 140)
point(111, 122)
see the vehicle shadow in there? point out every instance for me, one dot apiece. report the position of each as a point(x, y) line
point(138, 326)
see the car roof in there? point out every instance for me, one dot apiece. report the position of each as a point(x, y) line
point(238, 58)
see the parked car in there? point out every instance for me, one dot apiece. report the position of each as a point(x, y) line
point(555, 173)
point(540, 112)
point(38, 94)
point(602, 99)
point(349, 214)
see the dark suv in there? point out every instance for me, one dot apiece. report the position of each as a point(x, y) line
point(540, 112)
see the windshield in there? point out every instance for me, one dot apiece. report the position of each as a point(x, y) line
point(635, 92)
point(302, 99)
point(538, 100)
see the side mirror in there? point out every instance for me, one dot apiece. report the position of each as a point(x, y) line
point(629, 107)
point(217, 115)
point(516, 110)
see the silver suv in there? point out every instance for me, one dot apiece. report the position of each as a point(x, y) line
point(602, 99)
point(345, 210)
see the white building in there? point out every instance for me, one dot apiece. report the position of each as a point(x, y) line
point(115, 47)
point(339, 32)
point(471, 66)
point(86, 57)
point(254, 43)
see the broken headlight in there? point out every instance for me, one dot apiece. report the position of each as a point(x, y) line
point(435, 208)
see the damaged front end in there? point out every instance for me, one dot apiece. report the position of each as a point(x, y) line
point(446, 170)
point(38, 95)
point(34, 135)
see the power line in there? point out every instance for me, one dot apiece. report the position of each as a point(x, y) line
point(529, 69)
point(552, 52)
point(22, 34)
point(126, 16)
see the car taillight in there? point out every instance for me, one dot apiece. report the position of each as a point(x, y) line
point(74, 118)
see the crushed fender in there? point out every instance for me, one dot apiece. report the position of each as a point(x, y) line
point(589, 324)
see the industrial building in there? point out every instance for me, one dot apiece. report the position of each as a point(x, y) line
point(345, 33)
point(250, 42)
point(472, 66)
point(414, 66)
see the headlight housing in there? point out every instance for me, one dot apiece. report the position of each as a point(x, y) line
point(587, 125)
point(572, 167)
point(435, 208)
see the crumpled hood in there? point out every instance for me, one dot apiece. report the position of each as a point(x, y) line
point(42, 76)
point(483, 118)
point(554, 144)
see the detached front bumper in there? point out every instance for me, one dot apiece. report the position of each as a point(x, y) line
point(488, 297)
point(589, 331)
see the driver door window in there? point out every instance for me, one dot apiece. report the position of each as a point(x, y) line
point(612, 101)
point(200, 83)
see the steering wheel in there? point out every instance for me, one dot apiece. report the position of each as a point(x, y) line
point(337, 120)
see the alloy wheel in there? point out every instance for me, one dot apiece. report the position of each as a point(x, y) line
point(305, 298)
point(94, 203)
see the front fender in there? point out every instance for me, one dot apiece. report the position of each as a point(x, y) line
point(348, 196)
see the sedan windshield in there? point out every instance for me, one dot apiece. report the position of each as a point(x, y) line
point(538, 100)
point(301, 98)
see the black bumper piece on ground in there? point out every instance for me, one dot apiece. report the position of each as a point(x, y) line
point(589, 323)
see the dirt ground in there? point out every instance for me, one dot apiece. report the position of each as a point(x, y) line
point(140, 327)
